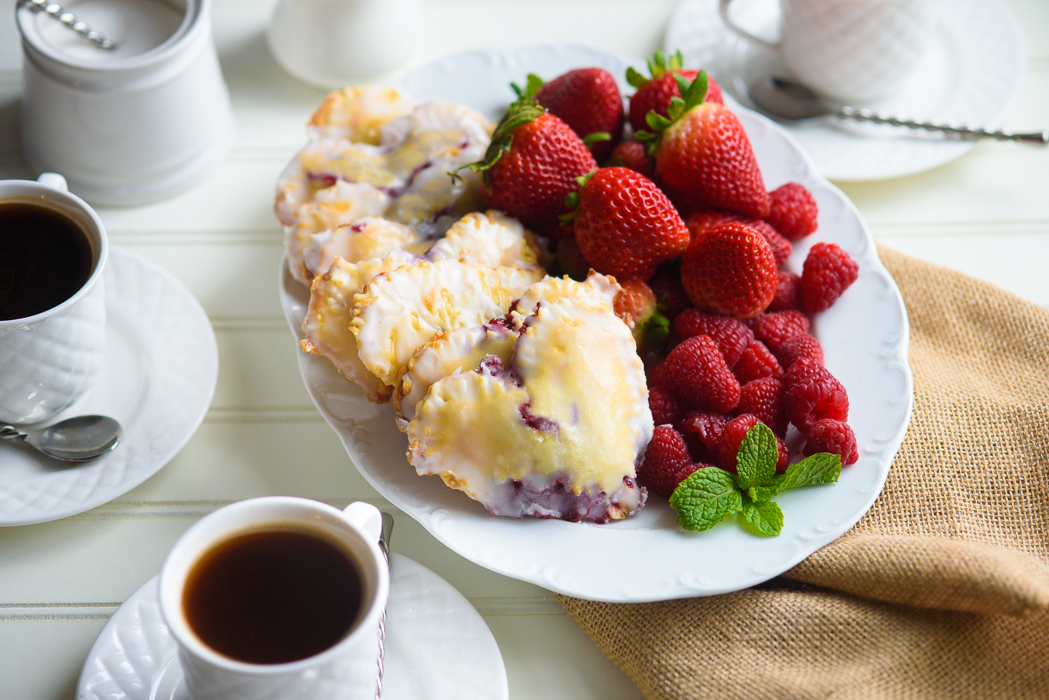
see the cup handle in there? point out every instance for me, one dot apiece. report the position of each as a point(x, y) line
point(365, 517)
point(731, 24)
point(54, 181)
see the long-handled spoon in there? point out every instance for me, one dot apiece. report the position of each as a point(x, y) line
point(791, 102)
point(73, 440)
point(384, 544)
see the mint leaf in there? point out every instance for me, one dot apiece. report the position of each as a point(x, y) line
point(821, 468)
point(757, 456)
point(705, 498)
point(762, 518)
point(761, 494)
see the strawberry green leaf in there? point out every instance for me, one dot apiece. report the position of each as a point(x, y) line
point(756, 459)
point(705, 498)
point(675, 108)
point(821, 468)
point(656, 121)
point(764, 518)
point(635, 79)
point(694, 92)
point(597, 136)
point(523, 111)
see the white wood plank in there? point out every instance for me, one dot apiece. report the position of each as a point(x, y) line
point(41, 660)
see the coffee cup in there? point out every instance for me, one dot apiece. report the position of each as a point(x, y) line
point(52, 298)
point(849, 50)
point(278, 597)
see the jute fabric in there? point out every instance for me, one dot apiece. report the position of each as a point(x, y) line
point(942, 589)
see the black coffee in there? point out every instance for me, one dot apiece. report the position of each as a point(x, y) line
point(45, 257)
point(273, 596)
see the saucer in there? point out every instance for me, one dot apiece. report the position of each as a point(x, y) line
point(971, 74)
point(157, 379)
point(437, 646)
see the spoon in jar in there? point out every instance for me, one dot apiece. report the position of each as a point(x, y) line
point(72, 440)
point(791, 102)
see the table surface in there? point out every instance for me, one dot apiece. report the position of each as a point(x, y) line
point(986, 214)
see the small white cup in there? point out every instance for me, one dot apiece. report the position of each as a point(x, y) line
point(850, 50)
point(345, 671)
point(50, 359)
point(335, 43)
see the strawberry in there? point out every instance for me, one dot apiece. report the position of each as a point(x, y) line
point(531, 165)
point(624, 225)
point(588, 100)
point(636, 305)
point(654, 94)
point(707, 217)
point(703, 154)
point(730, 270)
point(631, 154)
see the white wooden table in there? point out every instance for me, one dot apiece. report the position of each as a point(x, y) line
point(986, 214)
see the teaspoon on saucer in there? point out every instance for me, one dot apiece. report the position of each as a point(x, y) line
point(72, 440)
point(788, 101)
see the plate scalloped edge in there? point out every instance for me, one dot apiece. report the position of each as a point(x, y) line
point(865, 336)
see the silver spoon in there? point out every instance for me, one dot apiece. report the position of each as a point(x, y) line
point(73, 440)
point(384, 544)
point(788, 101)
point(55, 11)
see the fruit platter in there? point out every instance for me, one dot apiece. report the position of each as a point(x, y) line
point(643, 364)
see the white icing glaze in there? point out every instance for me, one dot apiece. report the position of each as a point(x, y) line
point(400, 310)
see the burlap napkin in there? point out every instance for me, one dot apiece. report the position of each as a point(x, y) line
point(942, 589)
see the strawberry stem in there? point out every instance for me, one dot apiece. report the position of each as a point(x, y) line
point(596, 137)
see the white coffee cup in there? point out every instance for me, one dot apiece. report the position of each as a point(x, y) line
point(50, 358)
point(850, 50)
point(345, 671)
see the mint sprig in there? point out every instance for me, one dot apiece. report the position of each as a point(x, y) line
point(710, 494)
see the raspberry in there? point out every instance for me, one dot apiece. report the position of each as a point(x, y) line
point(631, 154)
point(793, 212)
point(700, 377)
point(757, 361)
point(781, 247)
point(764, 399)
point(827, 273)
point(805, 368)
point(702, 431)
point(732, 436)
point(774, 328)
point(834, 436)
point(666, 455)
point(657, 375)
point(815, 398)
point(687, 471)
point(788, 292)
point(664, 405)
point(731, 336)
point(800, 346)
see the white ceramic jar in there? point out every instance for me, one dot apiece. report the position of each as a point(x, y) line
point(138, 124)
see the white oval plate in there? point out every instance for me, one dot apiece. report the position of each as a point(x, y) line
point(158, 376)
point(647, 557)
point(971, 74)
point(437, 646)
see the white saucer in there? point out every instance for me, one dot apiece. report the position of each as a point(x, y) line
point(971, 75)
point(157, 379)
point(437, 646)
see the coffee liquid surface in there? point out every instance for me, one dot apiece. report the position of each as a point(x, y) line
point(45, 258)
point(273, 596)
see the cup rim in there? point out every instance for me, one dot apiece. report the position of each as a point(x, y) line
point(196, 13)
point(49, 194)
point(188, 640)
